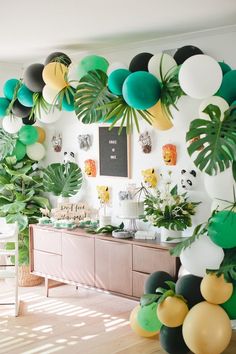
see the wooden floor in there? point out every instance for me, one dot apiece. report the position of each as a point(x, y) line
point(69, 321)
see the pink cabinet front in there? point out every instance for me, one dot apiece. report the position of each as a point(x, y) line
point(47, 263)
point(78, 258)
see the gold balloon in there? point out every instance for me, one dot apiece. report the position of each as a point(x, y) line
point(135, 326)
point(42, 134)
point(54, 75)
point(159, 118)
point(215, 289)
point(207, 329)
point(172, 311)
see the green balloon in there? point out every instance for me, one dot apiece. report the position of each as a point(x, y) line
point(4, 104)
point(19, 151)
point(222, 229)
point(92, 62)
point(9, 88)
point(69, 105)
point(25, 96)
point(224, 67)
point(230, 305)
point(147, 318)
point(227, 89)
point(28, 135)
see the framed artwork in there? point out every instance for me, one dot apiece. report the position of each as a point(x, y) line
point(114, 152)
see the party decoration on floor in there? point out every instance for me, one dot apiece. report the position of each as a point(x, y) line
point(193, 73)
point(207, 329)
point(58, 57)
point(147, 318)
point(41, 134)
point(4, 104)
point(215, 289)
point(189, 287)
point(169, 154)
point(69, 156)
point(150, 177)
point(136, 327)
point(188, 179)
point(116, 80)
point(28, 135)
point(140, 62)
point(215, 100)
point(172, 340)
point(57, 142)
point(91, 63)
point(145, 142)
point(159, 118)
point(103, 194)
point(219, 140)
point(230, 305)
point(186, 52)
point(227, 89)
point(11, 124)
point(161, 64)
point(33, 79)
point(35, 151)
point(85, 141)
point(156, 280)
point(90, 168)
point(19, 151)
point(141, 81)
point(10, 87)
point(222, 228)
point(25, 96)
point(19, 110)
point(55, 75)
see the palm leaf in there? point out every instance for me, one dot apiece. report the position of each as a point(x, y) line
point(92, 93)
point(218, 138)
point(39, 105)
point(7, 143)
point(62, 179)
point(227, 267)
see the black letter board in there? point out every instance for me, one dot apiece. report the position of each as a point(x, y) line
point(113, 152)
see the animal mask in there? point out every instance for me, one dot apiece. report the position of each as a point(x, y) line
point(103, 194)
point(57, 142)
point(169, 154)
point(145, 142)
point(90, 168)
point(188, 179)
point(150, 177)
point(69, 156)
point(85, 141)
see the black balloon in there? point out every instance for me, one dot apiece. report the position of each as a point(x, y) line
point(29, 120)
point(58, 56)
point(186, 52)
point(140, 62)
point(155, 280)
point(33, 77)
point(19, 110)
point(172, 340)
point(189, 287)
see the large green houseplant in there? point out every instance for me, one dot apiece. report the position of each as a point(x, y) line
point(21, 198)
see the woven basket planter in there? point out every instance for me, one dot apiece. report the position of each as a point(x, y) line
point(27, 279)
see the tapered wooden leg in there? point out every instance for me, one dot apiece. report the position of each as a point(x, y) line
point(46, 287)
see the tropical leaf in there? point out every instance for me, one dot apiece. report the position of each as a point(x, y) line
point(228, 266)
point(92, 93)
point(13, 208)
point(39, 105)
point(234, 169)
point(62, 179)
point(21, 220)
point(7, 143)
point(148, 299)
point(41, 202)
point(218, 137)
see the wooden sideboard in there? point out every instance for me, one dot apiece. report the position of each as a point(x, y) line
point(120, 266)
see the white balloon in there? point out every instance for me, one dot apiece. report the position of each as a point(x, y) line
point(12, 124)
point(200, 76)
point(114, 66)
point(187, 111)
point(215, 100)
point(203, 211)
point(201, 255)
point(51, 117)
point(221, 185)
point(155, 68)
point(35, 151)
point(182, 272)
point(50, 94)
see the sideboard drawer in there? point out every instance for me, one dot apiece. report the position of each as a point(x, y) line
point(47, 263)
point(138, 283)
point(149, 260)
point(48, 241)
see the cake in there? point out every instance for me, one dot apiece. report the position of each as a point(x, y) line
point(130, 209)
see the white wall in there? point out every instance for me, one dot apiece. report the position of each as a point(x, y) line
point(219, 46)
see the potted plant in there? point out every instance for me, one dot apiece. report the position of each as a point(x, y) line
point(63, 180)
point(20, 201)
point(169, 210)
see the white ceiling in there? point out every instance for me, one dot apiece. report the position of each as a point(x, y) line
point(31, 29)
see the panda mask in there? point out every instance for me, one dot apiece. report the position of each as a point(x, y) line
point(188, 179)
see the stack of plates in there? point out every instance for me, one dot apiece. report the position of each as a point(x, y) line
point(122, 234)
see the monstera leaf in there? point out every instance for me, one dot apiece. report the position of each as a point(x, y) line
point(92, 93)
point(62, 179)
point(7, 143)
point(218, 139)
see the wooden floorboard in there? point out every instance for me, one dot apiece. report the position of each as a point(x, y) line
point(74, 321)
